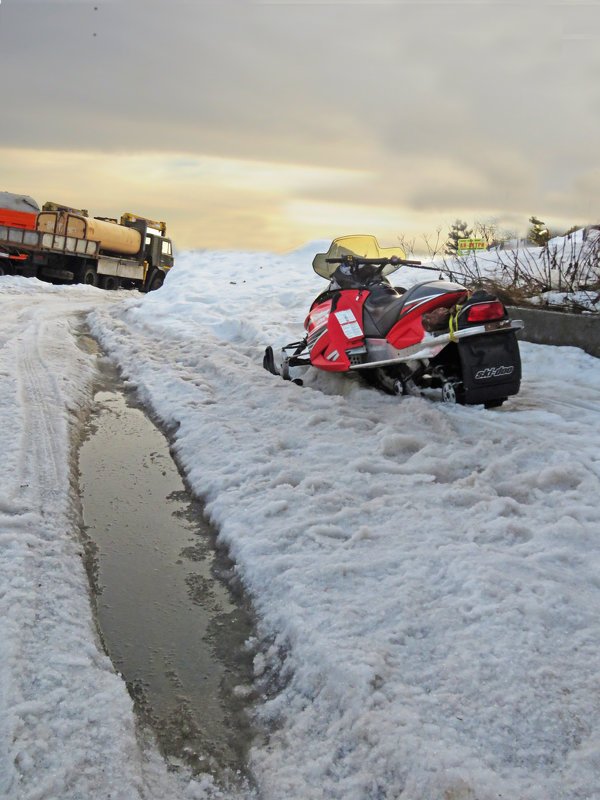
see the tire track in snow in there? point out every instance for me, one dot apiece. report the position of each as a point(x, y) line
point(44, 432)
point(44, 587)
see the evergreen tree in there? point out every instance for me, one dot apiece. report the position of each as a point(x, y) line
point(538, 233)
point(458, 231)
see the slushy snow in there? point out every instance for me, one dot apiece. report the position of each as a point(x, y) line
point(425, 576)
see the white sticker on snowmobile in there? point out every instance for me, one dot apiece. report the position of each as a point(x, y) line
point(345, 316)
point(333, 356)
point(350, 326)
point(319, 318)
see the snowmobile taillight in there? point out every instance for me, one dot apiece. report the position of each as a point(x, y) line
point(482, 312)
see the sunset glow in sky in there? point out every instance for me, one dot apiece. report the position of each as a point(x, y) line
point(263, 124)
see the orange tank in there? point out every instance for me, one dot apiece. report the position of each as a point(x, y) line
point(113, 238)
point(17, 219)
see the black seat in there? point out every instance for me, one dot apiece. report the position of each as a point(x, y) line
point(382, 310)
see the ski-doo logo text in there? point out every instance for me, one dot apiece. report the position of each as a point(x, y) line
point(493, 372)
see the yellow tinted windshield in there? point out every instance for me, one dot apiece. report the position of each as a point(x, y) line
point(365, 246)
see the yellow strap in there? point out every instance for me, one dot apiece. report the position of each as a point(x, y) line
point(453, 322)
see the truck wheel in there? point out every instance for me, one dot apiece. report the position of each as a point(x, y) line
point(157, 281)
point(110, 282)
point(89, 276)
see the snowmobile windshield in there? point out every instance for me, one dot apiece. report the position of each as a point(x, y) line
point(364, 246)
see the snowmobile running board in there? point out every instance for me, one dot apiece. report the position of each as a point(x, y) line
point(432, 343)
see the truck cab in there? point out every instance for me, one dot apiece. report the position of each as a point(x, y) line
point(157, 250)
point(158, 253)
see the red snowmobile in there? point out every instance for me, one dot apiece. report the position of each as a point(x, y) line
point(435, 335)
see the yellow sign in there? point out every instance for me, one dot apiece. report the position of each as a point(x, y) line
point(466, 245)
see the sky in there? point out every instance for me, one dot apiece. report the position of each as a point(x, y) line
point(265, 124)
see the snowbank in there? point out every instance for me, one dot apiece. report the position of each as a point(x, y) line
point(425, 575)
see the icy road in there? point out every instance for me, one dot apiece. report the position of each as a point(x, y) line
point(426, 577)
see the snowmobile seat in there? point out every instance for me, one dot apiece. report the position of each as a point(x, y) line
point(382, 310)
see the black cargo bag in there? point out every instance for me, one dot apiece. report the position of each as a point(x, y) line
point(491, 366)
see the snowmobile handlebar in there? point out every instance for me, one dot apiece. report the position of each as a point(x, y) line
point(357, 260)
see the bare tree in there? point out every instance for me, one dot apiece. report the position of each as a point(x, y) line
point(433, 242)
point(489, 230)
point(569, 266)
point(408, 245)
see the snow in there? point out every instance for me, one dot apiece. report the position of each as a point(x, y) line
point(425, 576)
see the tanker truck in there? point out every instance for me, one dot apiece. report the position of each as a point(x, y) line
point(68, 246)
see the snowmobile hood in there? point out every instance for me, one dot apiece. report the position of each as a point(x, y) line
point(365, 246)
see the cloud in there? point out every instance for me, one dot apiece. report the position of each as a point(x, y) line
point(207, 201)
point(439, 109)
